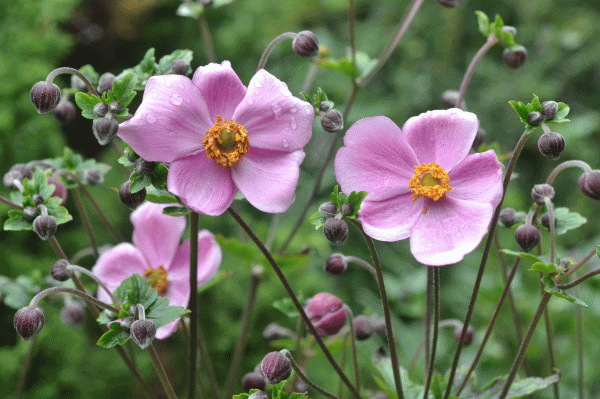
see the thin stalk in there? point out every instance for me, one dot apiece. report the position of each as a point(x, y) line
point(271, 46)
point(486, 251)
point(160, 370)
point(25, 368)
point(415, 357)
point(72, 71)
point(579, 280)
point(550, 208)
point(550, 339)
point(97, 280)
point(272, 230)
point(427, 337)
point(208, 368)
point(343, 364)
point(85, 219)
point(577, 266)
point(100, 213)
point(363, 263)
point(354, 352)
point(193, 305)
point(304, 378)
point(310, 76)
point(295, 300)
point(567, 164)
point(436, 320)
point(352, 28)
point(241, 341)
point(90, 299)
point(579, 349)
point(206, 38)
point(10, 203)
point(386, 308)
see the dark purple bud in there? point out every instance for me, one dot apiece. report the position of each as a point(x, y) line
point(527, 236)
point(551, 145)
point(45, 226)
point(105, 129)
point(363, 328)
point(510, 29)
point(326, 313)
point(93, 176)
point(450, 97)
point(254, 381)
point(479, 139)
point(131, 200)
point(549, 109)
point(336, 264)
point(274, 331)
point(60, 190)
point(115, 107)
point(180, 67)
point(105, 82)
point(346, 209)
point(29, 322)
point(379, 327)
point(450, 3)
point(306, 44)
point(59, 271)
point(514, 56)
point(258, 395)
point(589, 184)
point(143, 332)
point(328, 209)
point(73, 315)
point(468, 336)
point(336, 231)
point(545, 220)
point(45, 96)
point(78, 84)
point(127, 322)
point(535, 118)
point(30, 213)
point(508, 217)
point(275, 367)
point(325, 106)
point(101, 109)
point(143, 167)
point(65, 111)
point(37, 199)
point(18, 172)
point(332, 121)
point(540, 192)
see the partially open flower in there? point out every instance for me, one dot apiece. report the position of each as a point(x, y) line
point(276, 367)
point(326, 312)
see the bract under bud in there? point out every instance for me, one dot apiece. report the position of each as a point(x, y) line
point(65, 111)
point(328, 209)
point(549, 109)
point(105, 129)
point(326, 313)
point(276, 367)
point(306, 44)
point(254, 380)
point(73, 315)
point(510, 29)
point(29, 322)
point(527, 236)
point(59, 271)
point(30, 213)
point(551, 145)
point(363, 328)
point(258, 395)
point(336, 231)
point(589, 184)
point(514, 56)
point(45, 226)
point(535, 118)
point(336, 264)
point(131, 200)
point(508, 217)
point(540, 192)
point(105, 82)
point(180, 67)
point(45, 96)
point(143, 332)
point(332, 121)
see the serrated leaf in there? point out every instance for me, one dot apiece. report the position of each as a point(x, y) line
point(176, 211)
point(518, 388)
point(497, 24)
point(158, 177)
point(134, 290)
point(317, 220)
point(566, 220)
point(162, 313)
point(483, 23)
point(147, 64)
point(116, 335)
point(543, 268)
point(242, 251)
point(160, 196)
point(335, 196)
point(60, 213)
point(123, 88)
point(521, 110)
point(561, 114)
point(86, 104)
point(138, 182)
point(551, 288)
point(355, 200)
point(16, 222)
point(522, 255)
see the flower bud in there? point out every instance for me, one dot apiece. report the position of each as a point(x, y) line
point(73, 315)
point(60, 190)
point(514, 56)
point(479, 139)
point(37, 199)
point(326, 313)
point(336, 264)
point(328, 209)
point(535, 118)
point(18, 172)
point(336, 231)
point(115, 107)
point(45, 226)
point(306, 44)
point(545, 220)
point(65, 111)
point(59, 271)
point(510, 29)
point(332, 121)
point(143, 167)
point(346, 209)
point(540, 192)
point(450, 97)
point(78, 84)
point(527, 236)
point(274, 331)
point(105, 82)
point(105, 129)
point(549, 109)
point(363, 328)
point(143, 332)
point(180, 67)
point(101, 109)
point(258, 395)
point(29, 322)
point(551, 145)
point(589, 184)
point(449, 3)
point(275, 367)
point(379, 327)
point(254, 381)
point(468, 336)
point(131, 200)
point(508, 217)
point(93, 176)
point(30, 213)
point(127, 322)
point(45, 96)
point(325, 106)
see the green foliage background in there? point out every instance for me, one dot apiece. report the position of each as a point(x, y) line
point(563, 42)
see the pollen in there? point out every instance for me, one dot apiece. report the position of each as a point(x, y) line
point(226, 142)
point(157, 278)
point(430, 181)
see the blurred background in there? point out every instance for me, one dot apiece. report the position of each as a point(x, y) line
point(563, 43)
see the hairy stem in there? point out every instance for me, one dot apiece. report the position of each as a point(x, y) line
point(271, 46)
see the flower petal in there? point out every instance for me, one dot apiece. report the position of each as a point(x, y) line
point(275, 120)
point(221, 88)
point(478, 178)
point(201, 185)
point(441, 136)
point(170, 122)
point(167, 330)
point(375, 159)
point(268, 179)
point(391, 219)
point(449, 230)
point(158, 249)
point(209, 260)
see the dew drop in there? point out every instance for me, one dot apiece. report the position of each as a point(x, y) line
point(180, 84)
point(176, 99)
point(293, 123)
point(285, 143)
point(276, 109)
point(151, 119)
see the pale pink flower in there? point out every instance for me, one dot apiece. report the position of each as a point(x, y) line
point(262, 128)
point(158, 255)
point(447, 209)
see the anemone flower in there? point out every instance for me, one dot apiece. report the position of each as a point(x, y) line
point(422, 182)
point(220, 136)
point(158, 255)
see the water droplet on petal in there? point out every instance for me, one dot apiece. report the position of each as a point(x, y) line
point(151, 119)
point(285, 143)
point(276, 109)
point(176, 99)
point(293, 123)
point(154, 94)
point(180, 84)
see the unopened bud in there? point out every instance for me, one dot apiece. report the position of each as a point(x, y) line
point(143, 332)
point(105, 129)
point(143, 167)
point(306, 44)
point(468, 336)
point(346, 209)
point(17, 172)
point(78, 84)
point(73, 315)
point(254, 380)
point(549, 109)
point(540, 192)
point(131, 200)
point(274, 331)
point(551, 145)
point(45, 96)
point(105, 82)
point(363, 329)
point(450, 97)
point(29, 322)
point(93, 176)
point(326, 313)
point(510, 29)
point(30, 213)
point(332, 121)
point(276, 367)
point(59, 271)
point(45, 226)
point(60, 190)
point(336, 231)
point(325, 106)
point(101, 109)
point(589, 184)
point(328, 209)
point(545, 220)
point(37, 199)
point(127, 322)
point(508, 217)
point(115, 107)
point(527, 236)
point(180, 67)
point(336, 264)
point(535, 118)
point(65, 111)
point(514, 56)
point(449, 3)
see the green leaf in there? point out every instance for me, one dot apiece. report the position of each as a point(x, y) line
point(561, 114)
point(134, 290)
point(147, 64)
point(243, 251)
point(242, 395)
point(176, 211)
point(164, 65)
point(16, 222)
point(598, 251)
point(343, 65)
point(138, 182)
point(158, 177)
point(86, 104)
point(160, 196)
point(116, 335)
point(123, 88)
point(60, 213)
point(364, 63)
point(162, 313)
point(286, 306)
point(566, 220)
point(551, 288)
point(483, 22)
point(317, 220)
point(335, 196)
point(543, 268)
point(522, 255)
point(18, 293)
point(518, 389)
point(355, 200)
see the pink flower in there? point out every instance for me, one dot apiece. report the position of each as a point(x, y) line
point(220, 136)
point(158, 255)
point(422, 182)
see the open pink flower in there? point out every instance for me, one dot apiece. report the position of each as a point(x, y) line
point(158, 255)
point(220, 136)
point(422, 182)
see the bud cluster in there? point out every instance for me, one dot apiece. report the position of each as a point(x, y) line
point(335, 229)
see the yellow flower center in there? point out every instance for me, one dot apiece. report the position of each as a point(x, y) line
point(226, 142)
point(431, 181)
point(157, 278)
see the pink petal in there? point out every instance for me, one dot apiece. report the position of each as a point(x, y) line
point(209, 259)
point(156, 235)
point(268, 179)
point(275, 120)
point(375, 159)
point(477, 178)
point(441, 136)
point(171, 121)
point(449, 230)
point(391, 219)
point(221, 88)
point(201, 185)
point(167, 330)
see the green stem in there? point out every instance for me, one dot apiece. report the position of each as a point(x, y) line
point(96, 279)
point(351, 29)
point(579, 349)
point(25, 368)
point(363, 263)
point(354, 352)
point(88, 298)
point(577, 266)
point(436, 320)
point(85, 219)
point(193, 305)
point(550, 340)
point(206, 38)
point(271, 46)
point(160, 370)
point(100, 213)
point(427, 337)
